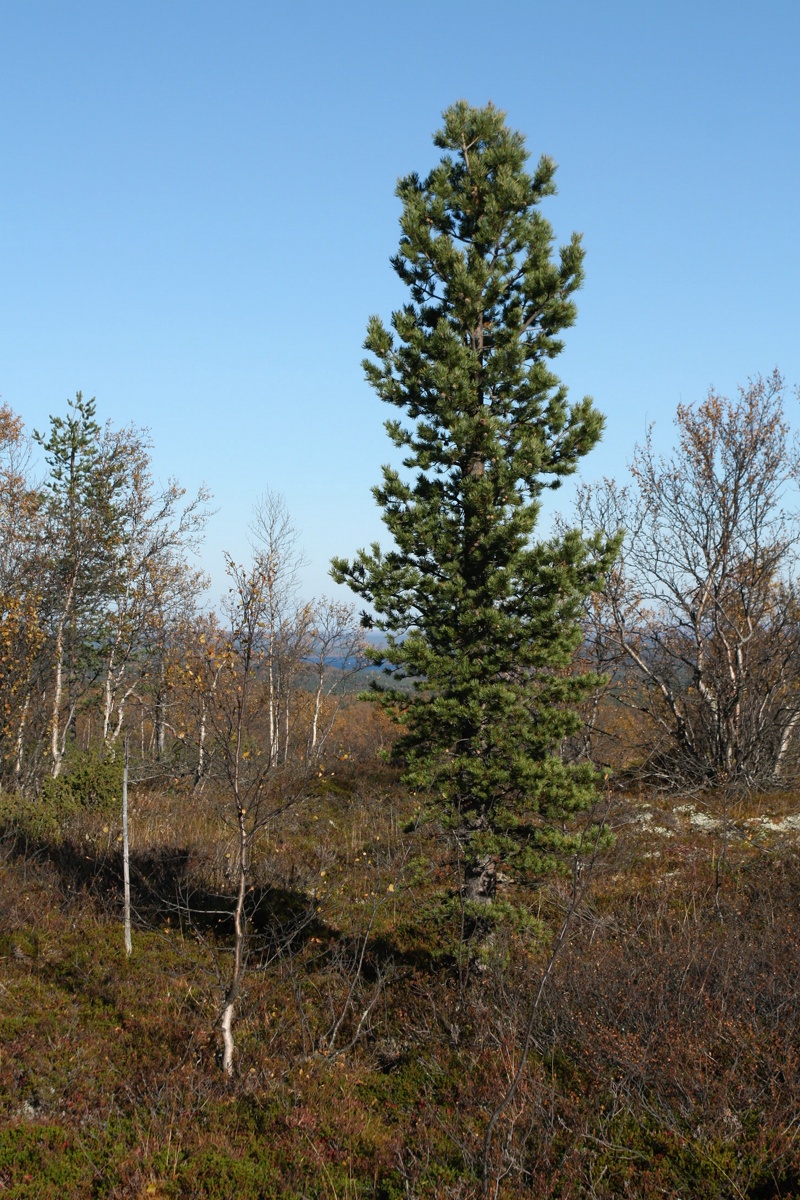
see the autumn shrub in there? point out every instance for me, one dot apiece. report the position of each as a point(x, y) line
point(684, 1027)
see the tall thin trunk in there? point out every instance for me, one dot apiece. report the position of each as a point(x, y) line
point(239, 922)
point(58, 738)
point(56, 748)
point(108, 697)
point(272, 710)
point(23, 720)
point(239, 926)
point(160, 723)
point(201, 744)
point(126, 863)
point(315, 721)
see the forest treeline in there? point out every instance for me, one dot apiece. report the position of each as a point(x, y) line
point(104, 636)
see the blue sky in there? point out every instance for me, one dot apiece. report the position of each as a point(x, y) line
point(197, 211)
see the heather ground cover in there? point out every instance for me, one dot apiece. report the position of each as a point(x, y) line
point(378, 1030)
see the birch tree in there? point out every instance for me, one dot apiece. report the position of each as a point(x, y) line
point(287, 622)
point(117, 572)
point(21, 631)
point(700, 618)
point(155, 586)
point(233, 670)
point(337, 653)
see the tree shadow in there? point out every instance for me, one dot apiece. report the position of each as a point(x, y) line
point(168, 890)
point(166, 887)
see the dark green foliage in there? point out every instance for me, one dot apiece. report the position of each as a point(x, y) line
point(83, 518)
point(43, 1162)
point(483, 618)
point(217, 1175)
point(90, 780)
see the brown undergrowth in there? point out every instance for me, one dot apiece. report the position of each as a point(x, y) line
point(378, 1031)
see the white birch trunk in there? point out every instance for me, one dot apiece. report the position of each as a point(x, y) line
point(126, 862)
point(56, 748)
point(201, 743)
point(315, 721)
point(23, 720)
point(108, 697)
point(271, 707)
point(232, 993)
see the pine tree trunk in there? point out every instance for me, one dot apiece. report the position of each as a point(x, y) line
point(480, 880)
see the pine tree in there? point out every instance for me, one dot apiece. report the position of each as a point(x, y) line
point(484, 620)
point(82, 531)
